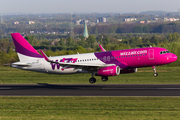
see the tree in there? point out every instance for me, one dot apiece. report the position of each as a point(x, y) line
point(61, 42)
point(106, 41)
point(30, 39)
point(138, 29)
point(80, 49)
point(91, 40)
point(82, 42)
point(69, 41)
point(174, 37)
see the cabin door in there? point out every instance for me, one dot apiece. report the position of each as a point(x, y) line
point(151, 54)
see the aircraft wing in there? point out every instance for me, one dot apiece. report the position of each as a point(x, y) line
point(87, 67)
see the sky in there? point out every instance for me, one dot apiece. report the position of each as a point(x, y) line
point(87, 6)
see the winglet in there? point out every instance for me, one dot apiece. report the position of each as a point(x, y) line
point(44, 55)
point(102, 49)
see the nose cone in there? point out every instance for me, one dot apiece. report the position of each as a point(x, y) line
point(173, 58)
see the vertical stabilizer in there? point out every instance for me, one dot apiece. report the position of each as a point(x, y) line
point(24, 50)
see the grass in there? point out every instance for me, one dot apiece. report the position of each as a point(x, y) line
point(167, 75)
point(90, 108)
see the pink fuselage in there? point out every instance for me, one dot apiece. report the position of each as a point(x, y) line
point(135, 58)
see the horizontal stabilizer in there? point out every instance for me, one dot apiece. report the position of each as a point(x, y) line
point(20, 64)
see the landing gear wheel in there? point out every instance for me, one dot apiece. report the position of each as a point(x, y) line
point(104, 78)
point(92, 80)
point(155, 74)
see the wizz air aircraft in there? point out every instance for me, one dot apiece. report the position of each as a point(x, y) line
point(105, 63)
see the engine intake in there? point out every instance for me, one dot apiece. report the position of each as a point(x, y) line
point(108, 71)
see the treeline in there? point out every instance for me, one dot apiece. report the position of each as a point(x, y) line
point(64, 46)
point(163, 27)
point(157, 27)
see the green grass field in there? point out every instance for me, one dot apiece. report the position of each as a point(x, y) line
point(167, 75)
point(90, 108)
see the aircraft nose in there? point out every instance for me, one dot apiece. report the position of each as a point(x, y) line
point(174, 57)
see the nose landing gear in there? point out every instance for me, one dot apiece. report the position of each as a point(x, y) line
point(155, 73)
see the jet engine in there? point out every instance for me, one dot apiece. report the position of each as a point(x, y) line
point(108, 71)
point(128, 70)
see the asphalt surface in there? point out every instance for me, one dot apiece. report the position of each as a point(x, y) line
point(43, 89)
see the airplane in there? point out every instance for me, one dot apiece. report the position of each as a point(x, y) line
point(104, 64)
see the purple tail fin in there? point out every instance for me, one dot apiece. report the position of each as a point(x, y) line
point(24, 49)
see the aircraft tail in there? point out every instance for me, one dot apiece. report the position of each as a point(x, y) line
point(24, 50)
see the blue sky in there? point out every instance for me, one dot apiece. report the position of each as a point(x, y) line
point(87, 6)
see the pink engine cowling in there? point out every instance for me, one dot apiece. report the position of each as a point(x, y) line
point(108, 71)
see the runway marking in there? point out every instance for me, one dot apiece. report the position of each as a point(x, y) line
point(5, 88)
point(142, 88)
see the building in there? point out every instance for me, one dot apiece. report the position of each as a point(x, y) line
point(170, 19)
point(130, 19)
point(156, 19)
point(81, 21)
point(30, 22)
point(77, 22)
point(102, 19)
point(97, 21)
point(31, 32)
point(16, 23)
point(148, 21)
point(142, 22)
point(85, 34)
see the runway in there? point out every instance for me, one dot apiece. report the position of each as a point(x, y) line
point(43, 89)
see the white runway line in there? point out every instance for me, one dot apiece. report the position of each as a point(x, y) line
point(141, 88)
point(5, 88)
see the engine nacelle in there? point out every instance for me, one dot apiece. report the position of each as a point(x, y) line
point(128, 70)
point(108, 71)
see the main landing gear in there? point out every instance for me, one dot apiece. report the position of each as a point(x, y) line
point(93, 80)
point(155, 73)
point(104, 78)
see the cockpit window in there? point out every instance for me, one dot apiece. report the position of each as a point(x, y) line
point(164, 52)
